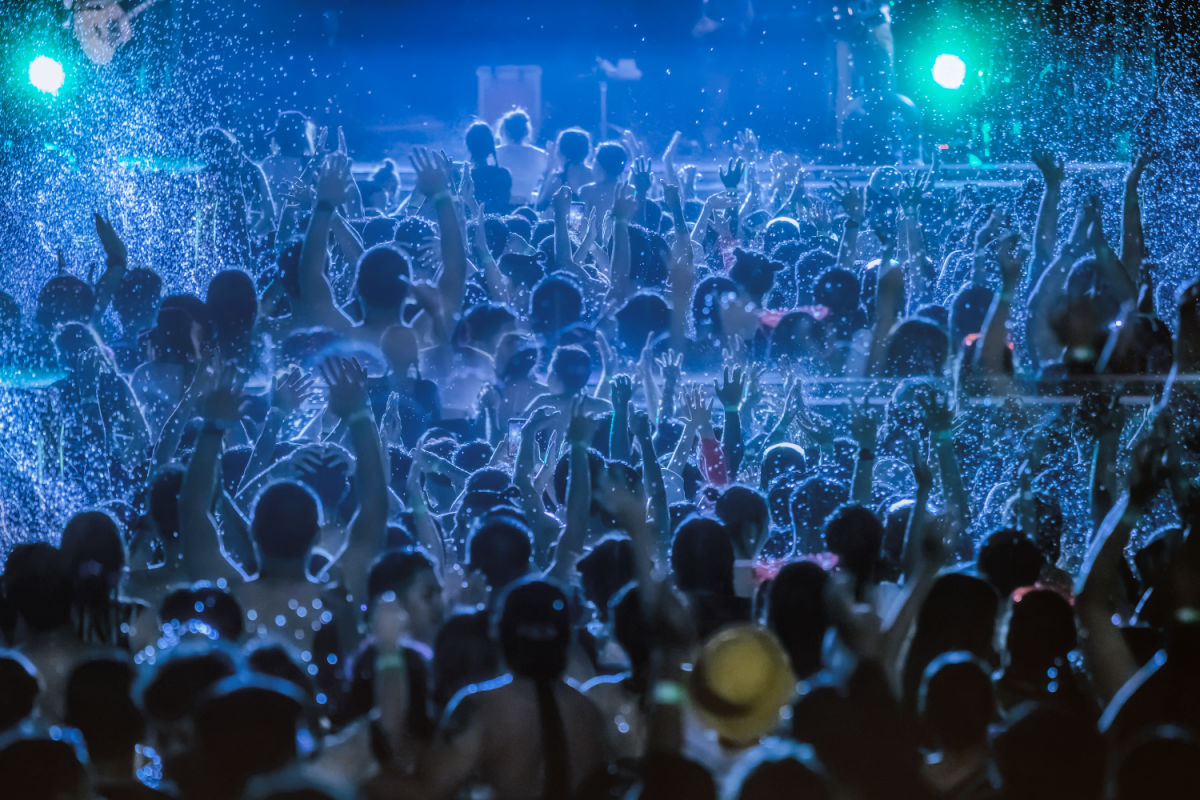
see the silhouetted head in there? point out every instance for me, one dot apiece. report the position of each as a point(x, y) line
point(533, 626)
point(286, 521)
point(514, 126)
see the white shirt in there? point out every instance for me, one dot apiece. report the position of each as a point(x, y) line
point(526, 164)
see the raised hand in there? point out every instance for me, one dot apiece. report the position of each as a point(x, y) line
point(746, 145)
point(582, 428)
point(1051, 165)
point(562, 201)
point(695, 409)
point(114, 249)
point(863, 425)
point(731, 176)
point(1011, 255)
point(333, 182)
point(732, 388)
point(639, 423)
point(851, 200)
point(290, 390)
point(432, 176)
point(223, 402)
point(621, 391)
point(671, 365)
point(641, 177)
point(938, 415)
point(347, 382)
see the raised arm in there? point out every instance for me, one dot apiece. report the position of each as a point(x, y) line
point(852, 202)
point(730, 392)
point(289, 391)
point(347, 382)
point(1045, 238)
point(579, 494)
point(621, 392)
point(1133, 242)
point(204, 557)
point(990, 356)
point(624, 208)
point(863, 428)
point(433, 181)
point(316, 295)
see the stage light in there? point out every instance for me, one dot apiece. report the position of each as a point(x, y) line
point(949, 71)
point(46, 75)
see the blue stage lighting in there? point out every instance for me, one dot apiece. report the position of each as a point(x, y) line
point(46, 75)
point(949, 71)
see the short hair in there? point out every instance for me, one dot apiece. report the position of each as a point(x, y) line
point(574, 144)
point(383, 274)
point(502, 550)
point(481, 142)
point(138, 294)
point(956, 701)
point(702, 556)
point(395, 571)
point(611, 158)
point(515, 125)
point(855, 535)
point(573, 366)
point(64, 298)
point(1009, 559)
point(286, 520)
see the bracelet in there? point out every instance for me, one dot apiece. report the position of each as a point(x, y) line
point(362, 413)
point(389, 661)
point(325, 205)
point(669, 693)
point(438, 197)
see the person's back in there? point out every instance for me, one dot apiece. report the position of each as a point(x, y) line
point(526, 163)
point(515, 766)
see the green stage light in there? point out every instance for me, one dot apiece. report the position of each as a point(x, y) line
point(46, 75)
point(949, 71)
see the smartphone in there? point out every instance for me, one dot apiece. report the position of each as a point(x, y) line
point(576, 218)
point(514, 435)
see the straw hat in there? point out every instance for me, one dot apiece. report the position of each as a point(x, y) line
point(740, 682)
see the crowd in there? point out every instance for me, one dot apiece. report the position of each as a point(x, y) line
point(547, 477)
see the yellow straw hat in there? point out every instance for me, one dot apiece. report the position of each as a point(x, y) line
point(740, 682)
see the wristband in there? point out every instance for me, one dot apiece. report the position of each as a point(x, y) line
point(941, 436)
point(669, 693)
point(732, 409)
point(362, 413)
point(853, 223)
point(325, 205)
point(1006, 297)
point(438, 197)
point(389, 661)
point(866, 455)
